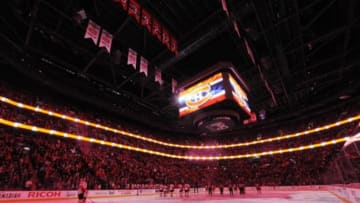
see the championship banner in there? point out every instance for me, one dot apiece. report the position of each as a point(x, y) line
point(106, 40)
point(134, 10)
point(143, 65)
point(166, 38)
point(92, 31)
point(123, 3)
point(132, 58)
point(143, 17)
point(173, 45)
point(146, 20)
point(156, 30)
point(158, 76)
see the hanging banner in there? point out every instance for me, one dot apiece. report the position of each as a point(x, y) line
point(106, 40)
point(123, 3)
point(158, 76)
point(146, 20)
point(92, 32)
point(166, 38)
point(143, 17)
point(157, 30)
point(134, 10)
point(132, 58)
point(143, 66)
point(173, 45)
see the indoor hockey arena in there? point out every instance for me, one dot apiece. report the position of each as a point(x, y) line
point(120, 101)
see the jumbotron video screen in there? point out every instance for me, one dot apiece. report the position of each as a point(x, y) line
point(211, 90)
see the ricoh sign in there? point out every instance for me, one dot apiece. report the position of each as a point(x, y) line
point(13, 195)
point(44, 194)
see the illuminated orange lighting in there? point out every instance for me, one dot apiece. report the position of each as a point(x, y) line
point(147, 151)
point(129, 134)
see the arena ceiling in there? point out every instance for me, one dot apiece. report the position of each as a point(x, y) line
point(307, 53)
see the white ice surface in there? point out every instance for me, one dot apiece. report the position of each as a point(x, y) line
point(251, 197)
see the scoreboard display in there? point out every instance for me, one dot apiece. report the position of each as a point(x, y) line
point(210, 90)
point(202, 94)
point(239, 95)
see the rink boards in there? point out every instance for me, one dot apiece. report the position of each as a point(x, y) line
point(351, 194)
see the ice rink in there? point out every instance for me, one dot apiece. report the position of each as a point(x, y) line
point(251, 197)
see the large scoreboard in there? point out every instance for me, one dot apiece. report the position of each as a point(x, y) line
point(238, 94)
point(219, 85)
point(202, 94)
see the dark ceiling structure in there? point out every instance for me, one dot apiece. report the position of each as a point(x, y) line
point(306, 52)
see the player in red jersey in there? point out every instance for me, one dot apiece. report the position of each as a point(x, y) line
point(82, 191)
point(171, 189)
point(186, 189)
point(181, 189)
point(258, 188)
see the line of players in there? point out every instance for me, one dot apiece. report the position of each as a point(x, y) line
point(231, 188)
point(184, 189)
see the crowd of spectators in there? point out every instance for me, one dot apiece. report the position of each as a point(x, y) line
point(30, 160)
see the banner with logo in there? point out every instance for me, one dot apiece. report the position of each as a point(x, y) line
point(15, 195)
point(134, 10)
point(166, 38)
point(92, 31)
point(173, 45)
point(106, 40)
point(158, 76)
point(123, 3)
point(132, 58)
point(143, 65)
point(144, 18)
point(157, 30)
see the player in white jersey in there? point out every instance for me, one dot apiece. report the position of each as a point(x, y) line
point(82, 191)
